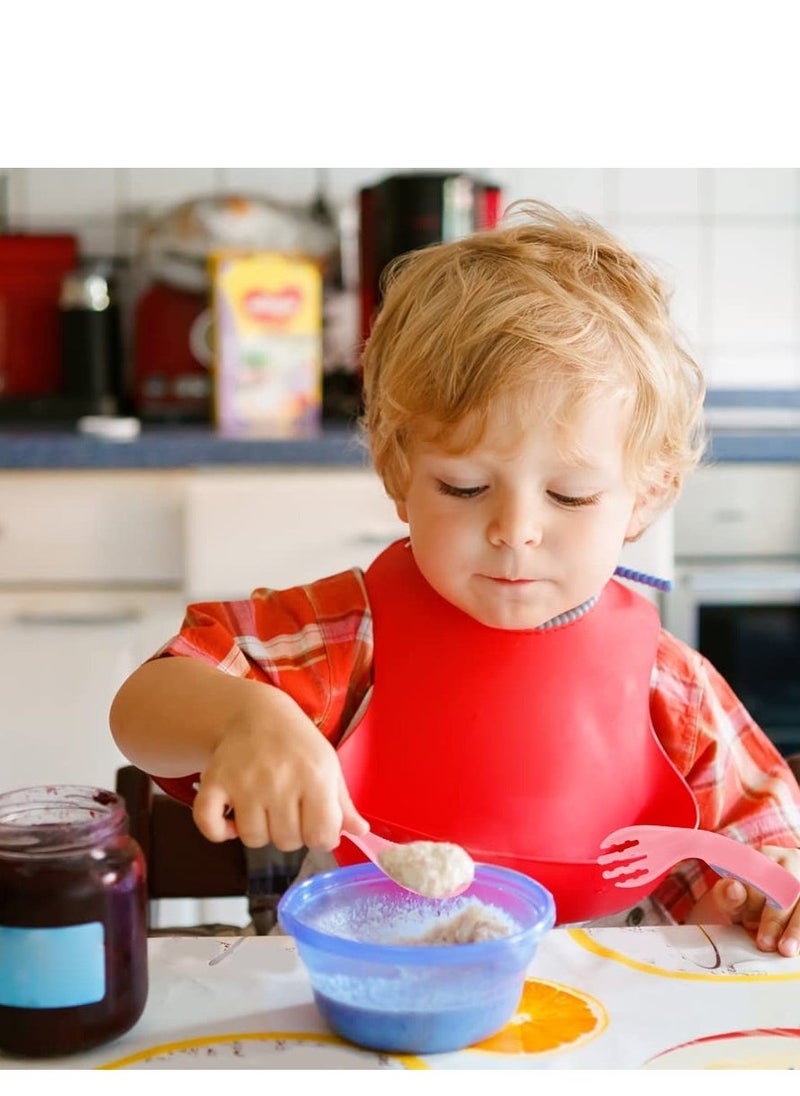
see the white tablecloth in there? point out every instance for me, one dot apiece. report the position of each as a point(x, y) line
point(615, 998)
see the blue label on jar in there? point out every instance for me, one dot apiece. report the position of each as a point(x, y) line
point(52, 968)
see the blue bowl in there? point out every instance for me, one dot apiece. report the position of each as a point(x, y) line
point(412, 998)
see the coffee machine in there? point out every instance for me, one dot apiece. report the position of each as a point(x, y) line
point(412, 210)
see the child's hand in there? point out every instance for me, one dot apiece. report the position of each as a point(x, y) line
point(730, 902)
point(272, 777)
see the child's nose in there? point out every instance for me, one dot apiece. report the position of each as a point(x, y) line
point(515, 523)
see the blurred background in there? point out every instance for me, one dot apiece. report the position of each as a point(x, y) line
point(726, 239)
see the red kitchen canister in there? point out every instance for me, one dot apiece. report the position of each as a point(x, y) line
point(73, 936)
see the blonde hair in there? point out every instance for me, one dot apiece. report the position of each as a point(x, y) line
point(547, 314)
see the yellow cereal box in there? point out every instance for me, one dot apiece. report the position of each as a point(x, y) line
point(267, 309)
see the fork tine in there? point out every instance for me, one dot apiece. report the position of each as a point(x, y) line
point(619, 871)
point(623, 855)
point(631, 863)
point(618, 837)
point(637, 881)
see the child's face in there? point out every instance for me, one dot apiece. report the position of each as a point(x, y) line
point(512, 532)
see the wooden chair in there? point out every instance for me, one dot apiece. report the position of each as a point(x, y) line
point(181, 863)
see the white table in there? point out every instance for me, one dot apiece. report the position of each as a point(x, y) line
point(653, 998)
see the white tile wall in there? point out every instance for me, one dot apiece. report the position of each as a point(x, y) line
point(754, 286)
point(582, 191)
point(726, 239)
point(654, 193)
point(755, 192)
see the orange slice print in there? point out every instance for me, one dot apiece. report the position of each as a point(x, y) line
point(550, 1016)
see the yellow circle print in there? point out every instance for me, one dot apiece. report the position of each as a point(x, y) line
point(550, 1016)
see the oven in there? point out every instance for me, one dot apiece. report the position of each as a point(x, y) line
point(736, 595)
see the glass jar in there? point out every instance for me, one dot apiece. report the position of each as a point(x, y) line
point(73, 935)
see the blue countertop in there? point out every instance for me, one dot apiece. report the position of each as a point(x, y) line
point(173, 447)
point(781, 447)
point(751, 424)
point(745, 425)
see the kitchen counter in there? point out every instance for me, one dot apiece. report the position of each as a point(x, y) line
point(752, 446)
point(744, 425)
point(751, 424)
point(194, 446)
point(173, 447)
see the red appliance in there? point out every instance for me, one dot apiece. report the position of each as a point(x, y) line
point(409, 211)
point(172, 352)
point(31, 270)
point(172, 355)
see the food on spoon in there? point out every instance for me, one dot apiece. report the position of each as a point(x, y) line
point(435, 869)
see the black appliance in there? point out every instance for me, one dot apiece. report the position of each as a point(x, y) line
point(409, 211)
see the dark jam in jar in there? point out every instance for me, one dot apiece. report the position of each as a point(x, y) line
point(73, 938)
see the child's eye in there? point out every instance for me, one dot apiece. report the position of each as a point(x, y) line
point(458, 492)
point(572, 501)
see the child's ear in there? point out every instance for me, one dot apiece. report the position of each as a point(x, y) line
point(649, 504)
point(402, 509)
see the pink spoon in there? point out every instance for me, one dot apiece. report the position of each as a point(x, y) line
point(432, 869)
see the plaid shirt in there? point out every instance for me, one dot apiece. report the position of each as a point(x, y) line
point(316, 642)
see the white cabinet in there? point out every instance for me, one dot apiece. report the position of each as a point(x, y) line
point(91, 567)
point(92, 528)
point(739, 510)
point(281, 527)
point(64, 655)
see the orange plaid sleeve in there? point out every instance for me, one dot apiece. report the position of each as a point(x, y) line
point(314, 642)
point(743, 786)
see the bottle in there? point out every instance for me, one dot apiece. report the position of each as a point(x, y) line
point(73, 936)
point(92, 365)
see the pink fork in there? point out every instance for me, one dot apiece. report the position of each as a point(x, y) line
point(646, 852)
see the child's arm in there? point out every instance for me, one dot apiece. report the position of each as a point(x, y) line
point(259, 756)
